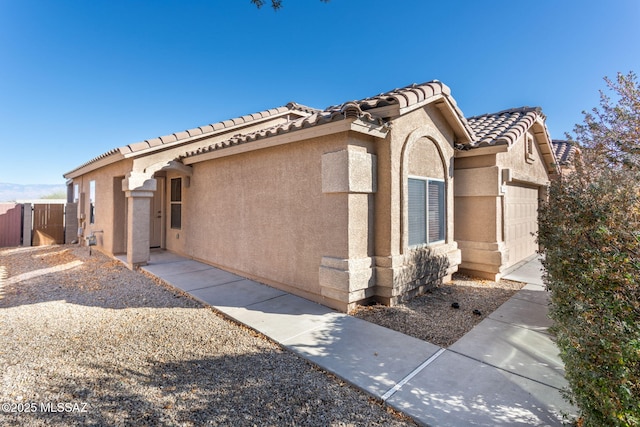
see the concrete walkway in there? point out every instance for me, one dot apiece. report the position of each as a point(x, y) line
point(505, 371)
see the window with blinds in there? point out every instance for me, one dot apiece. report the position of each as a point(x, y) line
point(426, 211)
point(435, 205)
point(176, 203)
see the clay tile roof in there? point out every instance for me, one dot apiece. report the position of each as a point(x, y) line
point(122, 150)
point(504, 127)
point(564, 151)
point(406, 96)
point(203, 130)
point(154, 142)
point(195, 131)
point(181, 135)
point(346, 111)
point(167, 139)
point(139, 146)
point(414, 95)
point(403, 97)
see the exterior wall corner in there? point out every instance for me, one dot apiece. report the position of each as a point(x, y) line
point(347, 280)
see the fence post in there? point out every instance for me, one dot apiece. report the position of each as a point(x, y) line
point(27, 224)
point(71, 223)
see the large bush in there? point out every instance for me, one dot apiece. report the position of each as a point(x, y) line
point(590, 233)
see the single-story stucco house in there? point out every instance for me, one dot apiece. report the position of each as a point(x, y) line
point(368, 200)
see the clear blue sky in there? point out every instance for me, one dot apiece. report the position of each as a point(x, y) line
point(80, 77)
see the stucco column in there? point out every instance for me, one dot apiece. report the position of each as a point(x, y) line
point(139, 189)
point(348, 276)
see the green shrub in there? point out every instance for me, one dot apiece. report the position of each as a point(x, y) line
point(590, 232)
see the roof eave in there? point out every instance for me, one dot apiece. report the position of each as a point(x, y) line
point(461, 130)
point(540, 131)
point(482, 150)
point(127, 152)
point(103, 161)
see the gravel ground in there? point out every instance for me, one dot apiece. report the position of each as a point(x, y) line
point(431, 317)
point(85, 341)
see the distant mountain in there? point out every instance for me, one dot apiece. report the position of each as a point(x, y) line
point(12, 192)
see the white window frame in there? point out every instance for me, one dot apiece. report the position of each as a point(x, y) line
point(426, 181)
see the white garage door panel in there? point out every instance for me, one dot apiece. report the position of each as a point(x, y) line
point(521, 222)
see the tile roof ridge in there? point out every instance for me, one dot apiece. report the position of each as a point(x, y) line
point(406, 97)
point(403, 96)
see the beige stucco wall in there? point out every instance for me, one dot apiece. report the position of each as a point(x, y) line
point(485, 178)
point(534, 172)
point(264, 214)
point(324, 218)
point(107, 207)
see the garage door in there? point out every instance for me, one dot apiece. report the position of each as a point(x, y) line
point(521, 222)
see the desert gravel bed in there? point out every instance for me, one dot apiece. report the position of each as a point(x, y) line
point(120, 349)
point(431, 317)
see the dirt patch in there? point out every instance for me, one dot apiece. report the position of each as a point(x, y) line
point(432, 317)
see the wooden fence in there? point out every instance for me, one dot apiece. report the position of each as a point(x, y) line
point(10, 224)
point(37, 225)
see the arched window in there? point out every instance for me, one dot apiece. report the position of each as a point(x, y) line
point(426, 194)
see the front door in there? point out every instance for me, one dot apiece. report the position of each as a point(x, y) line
point(157, 210)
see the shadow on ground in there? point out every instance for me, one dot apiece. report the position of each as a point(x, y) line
point(207, 391)
point(68, 273)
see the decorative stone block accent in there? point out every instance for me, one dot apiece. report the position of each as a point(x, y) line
point(346, 280)
point(402, 276)
point(349, 171)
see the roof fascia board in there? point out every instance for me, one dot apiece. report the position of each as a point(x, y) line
point(482, 151)
point(445, 107)
point(356, 125)
point(541, 133)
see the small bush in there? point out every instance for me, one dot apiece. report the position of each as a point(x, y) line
point(590, 231)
